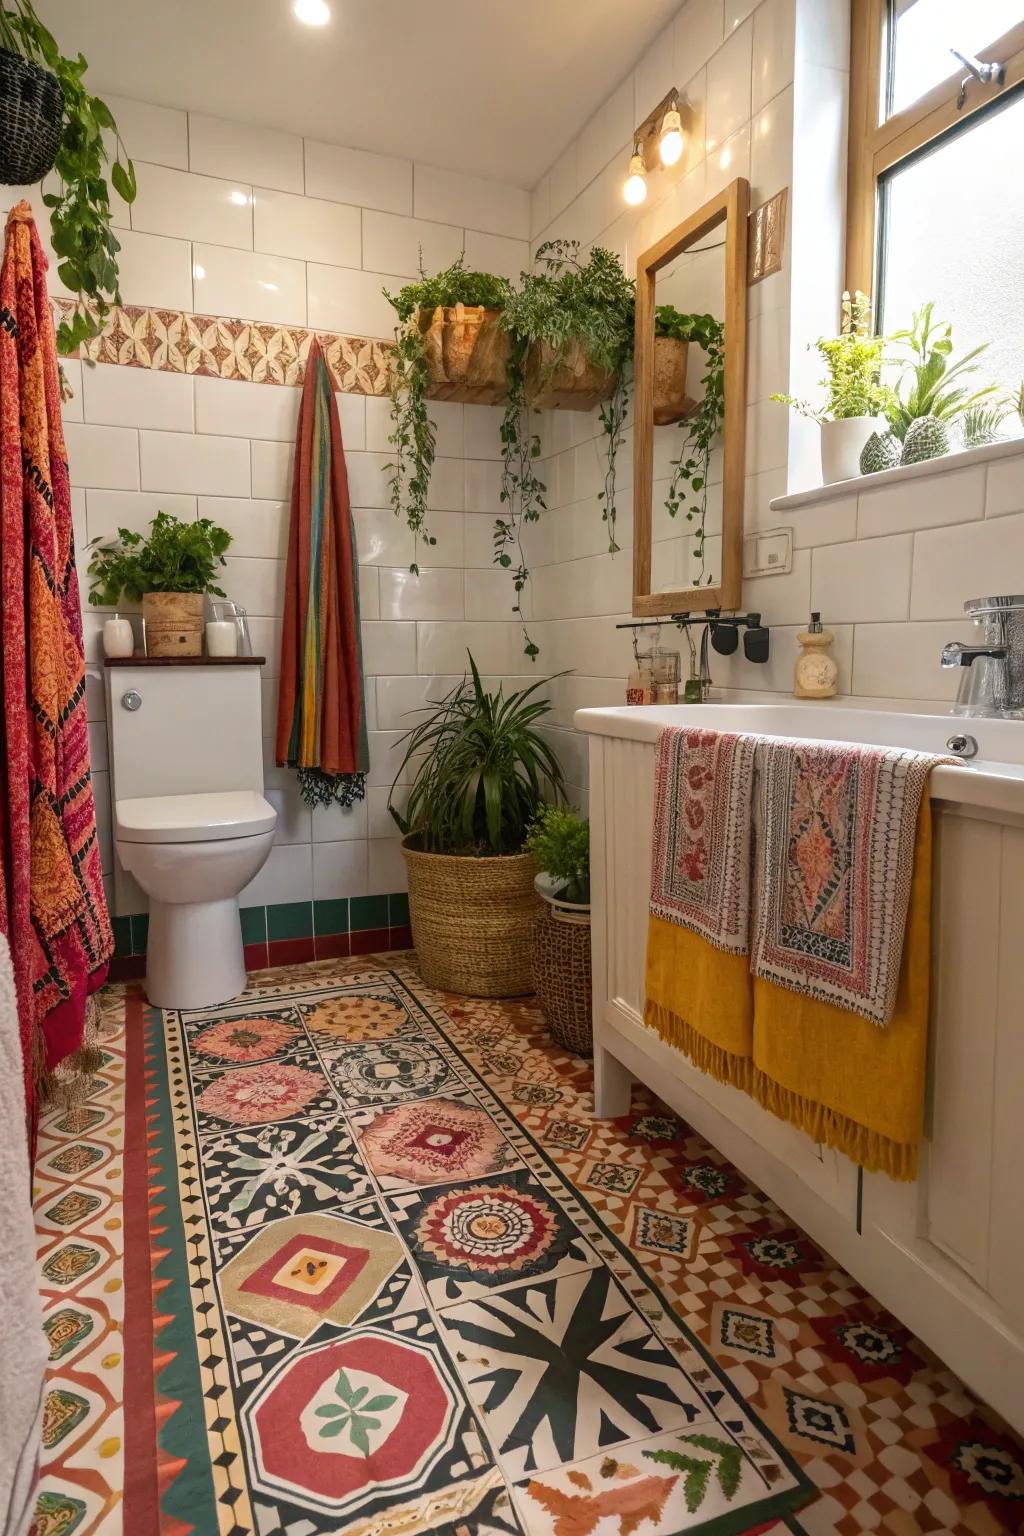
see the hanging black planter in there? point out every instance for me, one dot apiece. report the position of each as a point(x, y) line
point(31, 120)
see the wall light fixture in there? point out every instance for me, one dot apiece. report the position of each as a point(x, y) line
point(657, 143)
point(635, 188)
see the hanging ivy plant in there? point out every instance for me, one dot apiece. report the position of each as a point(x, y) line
point(413, 434)
point(522, 490)
point(688, 486)
point(566, 303)
point(80, 215)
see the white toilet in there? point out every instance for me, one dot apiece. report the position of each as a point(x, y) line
point(191, 824)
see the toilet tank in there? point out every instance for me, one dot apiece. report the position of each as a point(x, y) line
point(196, 728)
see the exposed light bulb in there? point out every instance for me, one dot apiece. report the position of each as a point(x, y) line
point(670, 146)
point(635, 189)
point(313, 13)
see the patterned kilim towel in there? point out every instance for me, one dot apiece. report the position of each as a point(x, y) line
point(833, 866)
point(52, 904)
point(703, 798)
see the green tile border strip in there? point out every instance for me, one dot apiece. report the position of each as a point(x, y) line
point(287, 920)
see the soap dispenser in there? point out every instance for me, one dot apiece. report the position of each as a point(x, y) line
point(816, 673)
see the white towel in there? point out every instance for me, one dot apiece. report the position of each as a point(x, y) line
point(22, 1343)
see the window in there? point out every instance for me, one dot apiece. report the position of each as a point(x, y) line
point(936, 201)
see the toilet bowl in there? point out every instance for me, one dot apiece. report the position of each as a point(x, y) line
point(191, 825)
point(192, 855)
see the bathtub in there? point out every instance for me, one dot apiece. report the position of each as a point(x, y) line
point(945, 1254)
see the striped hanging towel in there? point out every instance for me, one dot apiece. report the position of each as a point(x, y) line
point(321, 722)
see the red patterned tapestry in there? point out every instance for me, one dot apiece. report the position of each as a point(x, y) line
point(700, 868)
point(52, 903)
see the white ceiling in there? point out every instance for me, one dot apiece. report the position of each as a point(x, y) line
point(486, 86)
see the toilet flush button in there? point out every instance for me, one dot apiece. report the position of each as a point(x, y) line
point(132, 700)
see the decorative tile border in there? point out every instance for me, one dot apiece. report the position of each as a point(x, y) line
point(290, 932)
point(175, 341)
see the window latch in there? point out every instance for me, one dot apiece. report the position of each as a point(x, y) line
point(985, 74)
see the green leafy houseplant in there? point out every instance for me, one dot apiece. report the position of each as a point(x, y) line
point(482, 770)
point(176, 557)
point(80, 215)
point(930, 384)
point(568, 303)
point(413, 434)
point(688, 486)
point(853, 359)
point(560, 843)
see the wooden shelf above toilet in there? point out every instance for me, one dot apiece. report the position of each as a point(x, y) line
point(184, 661)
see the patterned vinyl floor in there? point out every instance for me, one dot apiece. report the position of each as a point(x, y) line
point(887, 1436)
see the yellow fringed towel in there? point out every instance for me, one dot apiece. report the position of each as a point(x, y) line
point(832, 1073)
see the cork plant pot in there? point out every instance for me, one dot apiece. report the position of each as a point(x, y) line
point(466, 349)
point(472, 920)
point(570, 379)
point(671, 402)
point(174, 623)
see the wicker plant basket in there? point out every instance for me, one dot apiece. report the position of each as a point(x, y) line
point(471, 921)
point(174, 623)
point(671, 402)
point(562, 976)
point(571, 380)
point(31, 120)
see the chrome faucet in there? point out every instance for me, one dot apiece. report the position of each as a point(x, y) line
point(992, 681)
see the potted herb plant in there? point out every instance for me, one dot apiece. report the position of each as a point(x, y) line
point(170, 572)
point(48, 120)
point(856, 397)
point(482, 769)
point(931, 395)
point(560, 843)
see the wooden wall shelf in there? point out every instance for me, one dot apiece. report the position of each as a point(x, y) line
point(184, 661)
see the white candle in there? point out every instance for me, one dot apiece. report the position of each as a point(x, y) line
point(221, 637)
point(118, 637)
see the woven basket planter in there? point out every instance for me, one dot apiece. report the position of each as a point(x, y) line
point(31, 120)
point(671, 402)
point(174, 623)
point(569, 379)
point(562, 977)
point(471, 921)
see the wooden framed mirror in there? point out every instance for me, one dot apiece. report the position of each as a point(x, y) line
point(688, 491)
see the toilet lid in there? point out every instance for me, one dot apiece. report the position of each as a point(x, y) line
point(194, 818)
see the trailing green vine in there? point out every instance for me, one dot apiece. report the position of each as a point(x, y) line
point(688, 486)
point(522, 490)
point(80, 214)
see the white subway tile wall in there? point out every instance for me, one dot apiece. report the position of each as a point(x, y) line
point(250, 224)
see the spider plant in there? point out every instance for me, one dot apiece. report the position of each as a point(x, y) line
point(936, 383)
point(482, 770)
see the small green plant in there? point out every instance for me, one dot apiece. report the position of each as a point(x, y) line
point(688, 486)
point(80, 216)
point(929, 383)
point(983, 422)
point(854, 359)
point(1015, 404)
point(482, 770)
point(560, 843)
point(176, 557)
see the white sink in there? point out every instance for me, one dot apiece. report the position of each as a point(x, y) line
point(993, 779)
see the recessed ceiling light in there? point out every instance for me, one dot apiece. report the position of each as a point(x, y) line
point(314, 13)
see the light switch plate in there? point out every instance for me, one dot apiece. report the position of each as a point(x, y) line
point(768, 552)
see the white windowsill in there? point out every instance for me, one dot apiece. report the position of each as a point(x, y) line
point(1013, 446)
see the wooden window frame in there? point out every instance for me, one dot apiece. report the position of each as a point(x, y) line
point(875, 147)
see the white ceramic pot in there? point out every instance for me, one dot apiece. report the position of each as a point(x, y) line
point(842, 443)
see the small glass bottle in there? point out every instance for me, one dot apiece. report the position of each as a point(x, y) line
point(640, 683)
point(666, 677)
